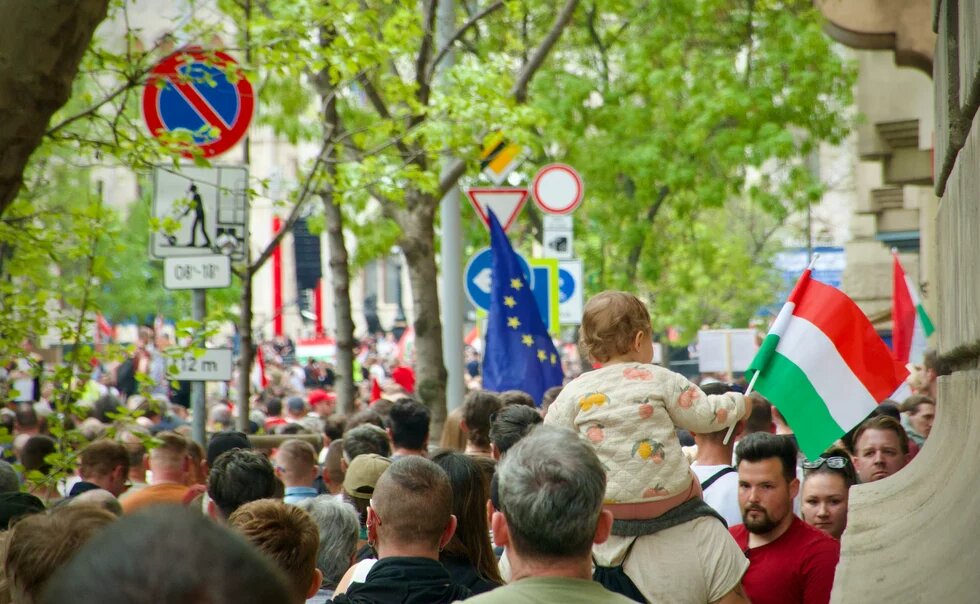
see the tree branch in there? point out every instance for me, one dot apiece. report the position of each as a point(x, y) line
point(460, 33)
point(425, 50)
point(634, 257)
point(294, 213)
point(519, 91)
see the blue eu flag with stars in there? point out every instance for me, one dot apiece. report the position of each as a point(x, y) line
point(519, 352)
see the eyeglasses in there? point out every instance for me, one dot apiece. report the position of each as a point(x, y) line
point(835, 462)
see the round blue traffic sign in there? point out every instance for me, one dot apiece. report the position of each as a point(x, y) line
point(202, 94)
point(566, 286)
point(479, 277)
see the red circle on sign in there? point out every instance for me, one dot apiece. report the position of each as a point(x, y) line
point(558, 189)
point(166, 73)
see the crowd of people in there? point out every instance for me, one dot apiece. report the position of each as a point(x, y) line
point(619, 486)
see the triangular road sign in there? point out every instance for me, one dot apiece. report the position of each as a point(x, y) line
point(506, 203)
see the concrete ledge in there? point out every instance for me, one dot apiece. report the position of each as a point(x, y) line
point(969, 50)
point(958, 230)
point(904, 543)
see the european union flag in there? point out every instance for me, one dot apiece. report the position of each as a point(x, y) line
point(519, 352)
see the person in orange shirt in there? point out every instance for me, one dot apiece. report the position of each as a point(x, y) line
point(169, 465)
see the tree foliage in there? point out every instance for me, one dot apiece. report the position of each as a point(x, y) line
point(691, 121)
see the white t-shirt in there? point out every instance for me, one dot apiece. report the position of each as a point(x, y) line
point(722, 494)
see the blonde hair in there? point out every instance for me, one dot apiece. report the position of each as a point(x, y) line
point(610, 323)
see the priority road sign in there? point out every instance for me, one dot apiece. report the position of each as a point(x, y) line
point(208, 208)
point(202, 94)
point(506, 203)
point(478, 276)
point(499, 158)
point(558, 189)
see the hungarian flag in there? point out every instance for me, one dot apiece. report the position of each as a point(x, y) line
point(910, 323)
point(823, 365)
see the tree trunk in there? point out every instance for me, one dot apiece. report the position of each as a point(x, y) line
point(41, 47)
point(246, 351)
point(417, 243)
point(340, 276)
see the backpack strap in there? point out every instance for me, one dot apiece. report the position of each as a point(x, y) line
point(711, 479)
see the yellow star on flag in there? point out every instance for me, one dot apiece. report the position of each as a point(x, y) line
point(554, 359)
point(509, 302)
point(542, 355)
point(527, 340)
point(516, 283)
point(513, 322)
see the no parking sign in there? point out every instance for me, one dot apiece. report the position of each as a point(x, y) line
point(201, 93)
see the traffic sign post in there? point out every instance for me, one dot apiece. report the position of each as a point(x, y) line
point(558, 189)
point(505, 203)
point(209, 206)
point(201, 94)
point(197, 272)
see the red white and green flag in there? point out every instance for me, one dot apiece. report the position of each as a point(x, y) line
point(823, 365)
point(910, 323)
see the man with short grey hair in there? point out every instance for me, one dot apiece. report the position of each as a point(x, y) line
point(339, 529)
point(551, 487)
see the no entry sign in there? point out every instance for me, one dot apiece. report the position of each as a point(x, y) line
point(200, 93)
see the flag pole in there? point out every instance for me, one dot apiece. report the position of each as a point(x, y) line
point(748, 390)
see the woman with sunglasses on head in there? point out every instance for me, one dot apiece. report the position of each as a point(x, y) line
point(826, 481)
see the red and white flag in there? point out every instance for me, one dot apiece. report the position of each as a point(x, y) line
point(910, 323)
point(263, 379)
point(103, 329)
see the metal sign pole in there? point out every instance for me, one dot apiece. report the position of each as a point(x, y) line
point(199, 411)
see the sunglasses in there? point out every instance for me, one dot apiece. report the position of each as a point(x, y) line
point(835, 462)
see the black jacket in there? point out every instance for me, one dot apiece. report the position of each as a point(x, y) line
point(405, 581)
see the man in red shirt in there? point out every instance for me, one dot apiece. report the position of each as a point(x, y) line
point(789, 561)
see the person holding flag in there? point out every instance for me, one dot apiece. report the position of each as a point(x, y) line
point(823, 365)
point(520, 354)
point(629, 409)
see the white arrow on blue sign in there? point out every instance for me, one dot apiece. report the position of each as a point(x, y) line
point(479, 275)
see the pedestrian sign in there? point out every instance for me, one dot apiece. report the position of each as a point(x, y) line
point(570, 292)
point(202, 94)
point(200, 211)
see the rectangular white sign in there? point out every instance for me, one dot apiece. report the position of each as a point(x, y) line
point(203, 209)
point(215, 365)
point(198, 272)
point(726, 350)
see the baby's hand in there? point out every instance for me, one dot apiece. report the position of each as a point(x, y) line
point(748, 408)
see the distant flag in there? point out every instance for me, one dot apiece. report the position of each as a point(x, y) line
point(520, 354)
point(263, 379)
point(103, 329)
point(823, 365)
point(405, 350)
point(910, 323)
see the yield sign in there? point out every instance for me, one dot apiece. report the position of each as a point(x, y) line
point(505, 203)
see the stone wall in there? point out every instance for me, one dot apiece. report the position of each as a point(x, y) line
point(915, 537)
